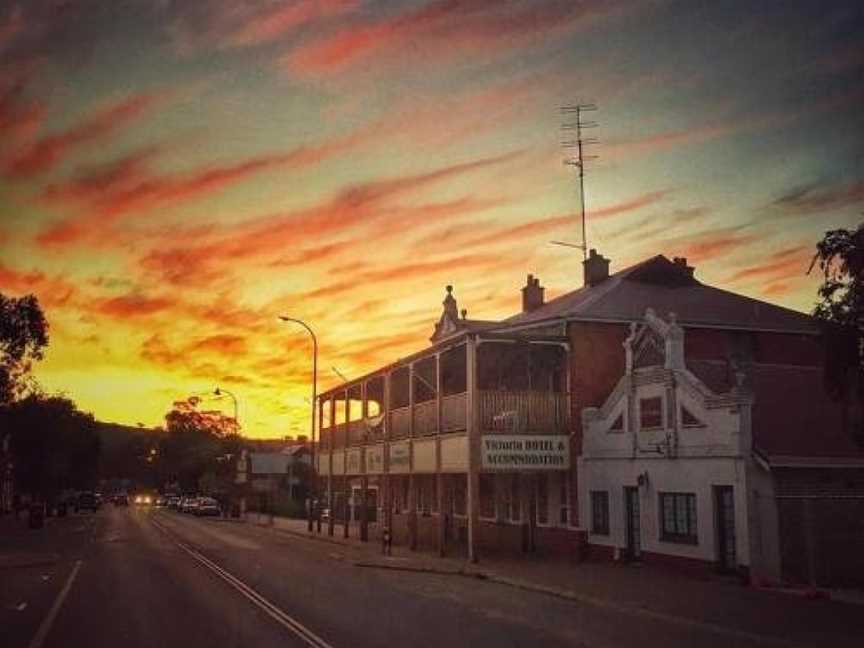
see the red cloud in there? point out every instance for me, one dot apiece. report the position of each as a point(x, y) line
point(779, 265)
point(665, 141)
point(420, 270)
point(361, 205)
point(224, 344)
point(44, 154)
point(269, 26)
point(51, 291)
point(133, 305)
point(19, 118)
point(466, 235)
point(442, 28)
point(127, 188)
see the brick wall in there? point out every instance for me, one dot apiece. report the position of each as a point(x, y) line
point(827, 539)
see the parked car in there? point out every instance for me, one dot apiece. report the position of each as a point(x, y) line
point(207, 506)
point(191, 503)
point(159, 501)
point(173, 501)
point(86, 500)
point(120, 499)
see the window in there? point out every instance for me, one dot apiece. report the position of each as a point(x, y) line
point(618, 425)
point(459, 485)
point(542, 499)
point(399, 396)
point(651, 412)
point(427, 494)
point(487, 496)
point(425, 375)
point(454, 374)
point(564, 501)
point(511, 503)
point(678, 518)
point(688, 420)
point(600, 512)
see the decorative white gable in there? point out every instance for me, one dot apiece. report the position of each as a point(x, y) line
point(660, 409)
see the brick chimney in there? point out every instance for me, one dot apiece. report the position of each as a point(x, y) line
point(596, 268)
point(681, 262)
point(532, 294)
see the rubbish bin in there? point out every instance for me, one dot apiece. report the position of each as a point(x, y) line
point(36, 519)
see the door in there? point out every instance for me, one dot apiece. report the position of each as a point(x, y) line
point(724, 515)
point(632, 526)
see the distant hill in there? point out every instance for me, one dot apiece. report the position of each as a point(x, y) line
point(125, 449)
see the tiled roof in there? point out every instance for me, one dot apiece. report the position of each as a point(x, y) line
point(666, 287)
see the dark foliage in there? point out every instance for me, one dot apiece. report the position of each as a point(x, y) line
point(55, 445)
point(23, 337)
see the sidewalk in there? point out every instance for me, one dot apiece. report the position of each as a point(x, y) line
point(17, 542)
point(722, 605)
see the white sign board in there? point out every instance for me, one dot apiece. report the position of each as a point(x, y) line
point(525, 452)
point(400, 457)
point(352, 462)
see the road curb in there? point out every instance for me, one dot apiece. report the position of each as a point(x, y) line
point(307, 535)
point(423, 569)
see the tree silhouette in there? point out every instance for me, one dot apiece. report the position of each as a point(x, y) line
point(23, 336)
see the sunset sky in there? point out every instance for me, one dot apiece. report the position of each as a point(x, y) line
point(175, 174)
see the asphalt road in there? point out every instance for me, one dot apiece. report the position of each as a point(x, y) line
point(140, 577)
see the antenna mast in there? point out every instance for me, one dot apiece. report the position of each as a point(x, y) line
point(579, 160)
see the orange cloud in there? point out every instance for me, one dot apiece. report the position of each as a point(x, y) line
point(778, 265)
point(711, 244)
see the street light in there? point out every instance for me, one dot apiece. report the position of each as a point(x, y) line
point(220, 392)
point(314, 397)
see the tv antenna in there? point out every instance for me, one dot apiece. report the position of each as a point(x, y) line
point(576, 127)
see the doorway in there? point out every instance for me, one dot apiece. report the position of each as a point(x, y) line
point(632, 525)
point(724, 515)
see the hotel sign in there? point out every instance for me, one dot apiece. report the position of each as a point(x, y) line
point(525, 452)
point(352, 459)
point(375, 460)
point(400, 457)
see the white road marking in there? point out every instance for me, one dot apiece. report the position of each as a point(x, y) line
point(48, 621)
point(269, 608)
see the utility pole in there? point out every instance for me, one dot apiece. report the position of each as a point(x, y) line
point(576, 127)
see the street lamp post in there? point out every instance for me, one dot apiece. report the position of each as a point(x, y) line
point(314, 397)
point(219, 392)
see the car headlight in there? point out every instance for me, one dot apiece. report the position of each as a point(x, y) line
point(146, 500)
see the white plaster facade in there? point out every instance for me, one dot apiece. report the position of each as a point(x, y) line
point(697, 443)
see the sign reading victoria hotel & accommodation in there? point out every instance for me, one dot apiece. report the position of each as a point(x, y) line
point(526, 451)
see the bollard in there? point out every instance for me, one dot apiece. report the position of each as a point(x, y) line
point(386, 542)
